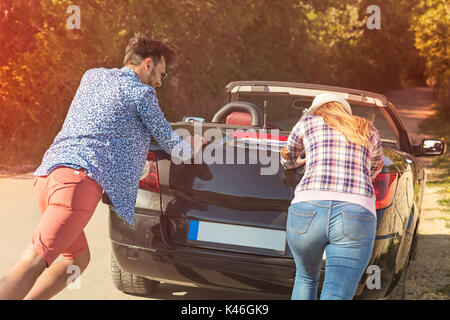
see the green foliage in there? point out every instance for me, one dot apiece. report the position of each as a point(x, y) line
point(326, 42)
point(18, 23)
point(432, 34)
point(386, 59)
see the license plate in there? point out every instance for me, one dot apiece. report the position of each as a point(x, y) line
point(231, 234)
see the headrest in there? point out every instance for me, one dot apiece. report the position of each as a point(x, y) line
point(239, 118)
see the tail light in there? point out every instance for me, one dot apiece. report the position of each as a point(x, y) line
point(149, 179)
point(385, 185)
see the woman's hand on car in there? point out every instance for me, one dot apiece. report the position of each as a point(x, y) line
point(300, 162)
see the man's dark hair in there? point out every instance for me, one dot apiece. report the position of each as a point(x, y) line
point(140, 47)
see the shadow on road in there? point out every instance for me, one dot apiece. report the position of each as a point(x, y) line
point(428, 276)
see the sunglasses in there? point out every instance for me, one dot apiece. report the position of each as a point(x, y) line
point(163, 74)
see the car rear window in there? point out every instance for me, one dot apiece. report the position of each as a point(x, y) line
point(284, 111)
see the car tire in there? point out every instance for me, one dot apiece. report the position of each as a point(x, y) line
point(399, 292)
point(131, 283)
point(414, 242)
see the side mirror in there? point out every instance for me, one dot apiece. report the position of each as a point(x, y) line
point(430, 147)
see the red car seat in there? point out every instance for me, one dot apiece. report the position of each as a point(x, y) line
point(239, 118)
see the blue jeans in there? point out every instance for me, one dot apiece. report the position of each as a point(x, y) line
point(346, 232)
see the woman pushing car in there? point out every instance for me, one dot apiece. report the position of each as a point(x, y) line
point(334, 203)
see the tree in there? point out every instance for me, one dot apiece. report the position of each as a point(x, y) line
point(217, 41)
point(19, 22)
point(432, 34)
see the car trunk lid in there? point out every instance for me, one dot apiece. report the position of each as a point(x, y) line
point(236, 198)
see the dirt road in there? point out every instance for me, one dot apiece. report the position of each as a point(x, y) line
point(428, 275)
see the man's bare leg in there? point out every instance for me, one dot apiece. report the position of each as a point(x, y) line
point(16, 283)
point(54, 279)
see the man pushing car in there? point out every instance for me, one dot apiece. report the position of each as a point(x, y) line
point(102, 146)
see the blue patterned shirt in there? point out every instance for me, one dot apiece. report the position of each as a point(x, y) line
point(107, 132)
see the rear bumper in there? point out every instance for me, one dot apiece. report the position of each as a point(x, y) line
point(207, 271)
point(142, 250)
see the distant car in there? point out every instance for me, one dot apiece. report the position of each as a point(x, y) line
point(223, 225)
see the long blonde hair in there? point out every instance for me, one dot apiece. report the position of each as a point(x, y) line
point(354, 128)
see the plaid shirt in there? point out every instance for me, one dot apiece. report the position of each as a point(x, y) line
point(332, 163)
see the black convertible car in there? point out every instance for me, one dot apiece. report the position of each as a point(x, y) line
point(221, 224)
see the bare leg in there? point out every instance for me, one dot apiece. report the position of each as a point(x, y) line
point(16, 283)
point(54, 279)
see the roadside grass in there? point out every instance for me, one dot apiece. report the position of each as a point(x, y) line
point(443, 185)
point(440, 128)
point(444, 191)
point(446, 219)
point(442, 182)
point(443, 290)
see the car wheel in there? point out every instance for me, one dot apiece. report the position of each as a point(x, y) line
point(414, 243)
point(131, 283)
point(399, 292)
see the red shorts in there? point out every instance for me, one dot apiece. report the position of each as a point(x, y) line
point(67, 198)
